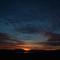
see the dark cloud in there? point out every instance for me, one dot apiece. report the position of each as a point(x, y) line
point(54, 39)
point(9, 42)
point(7, 39)
point(52, 43)
point(28, 30)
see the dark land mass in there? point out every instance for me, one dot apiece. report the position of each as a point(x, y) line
point(32, 54)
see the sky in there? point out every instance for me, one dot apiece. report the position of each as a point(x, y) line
point(27, 19)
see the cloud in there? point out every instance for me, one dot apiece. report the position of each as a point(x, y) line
point(8, 42)
point(54, 39)
point(28, 30)
point(5, 38)
point(45, 46)
point(53, 42)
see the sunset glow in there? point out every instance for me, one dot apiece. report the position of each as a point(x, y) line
point(27, 49)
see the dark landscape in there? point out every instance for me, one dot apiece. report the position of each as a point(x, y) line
point(32, 54)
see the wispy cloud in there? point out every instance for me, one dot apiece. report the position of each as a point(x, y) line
point(8, 42)
point(53, 43)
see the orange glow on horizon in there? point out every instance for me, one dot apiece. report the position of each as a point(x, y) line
point(26, 49)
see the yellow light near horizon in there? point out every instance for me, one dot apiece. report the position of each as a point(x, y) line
point(26, 50)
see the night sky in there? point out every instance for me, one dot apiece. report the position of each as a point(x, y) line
point(27, 20)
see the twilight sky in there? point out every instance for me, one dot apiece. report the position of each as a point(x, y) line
point(26, 19)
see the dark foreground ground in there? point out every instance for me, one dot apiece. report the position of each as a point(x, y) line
point(33, 54)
